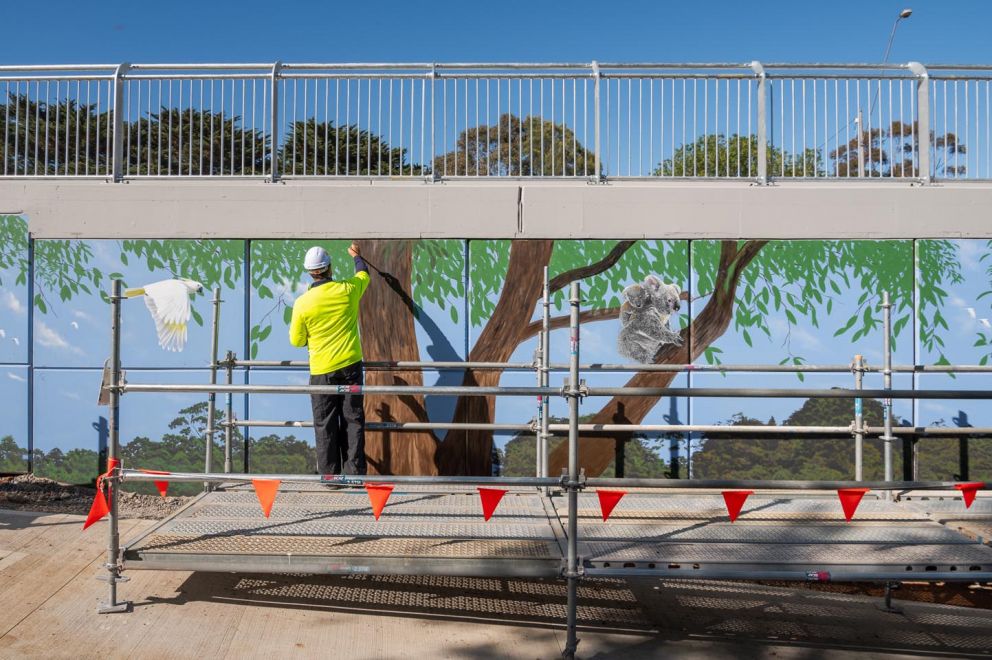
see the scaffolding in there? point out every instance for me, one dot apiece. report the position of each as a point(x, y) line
point(580, 556)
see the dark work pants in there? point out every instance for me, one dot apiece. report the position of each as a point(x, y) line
point(339, 423)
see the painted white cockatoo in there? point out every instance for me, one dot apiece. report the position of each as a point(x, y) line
point(168, 302)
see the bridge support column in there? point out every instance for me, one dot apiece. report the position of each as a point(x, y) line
point(923, 133)
point(762, 122)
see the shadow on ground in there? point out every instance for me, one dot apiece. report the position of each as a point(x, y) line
point(629, 618)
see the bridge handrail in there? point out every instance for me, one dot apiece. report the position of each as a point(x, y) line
point(745, 121)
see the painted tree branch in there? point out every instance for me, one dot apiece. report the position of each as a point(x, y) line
point(586, 316)
point(710, 324)
point(607, 262)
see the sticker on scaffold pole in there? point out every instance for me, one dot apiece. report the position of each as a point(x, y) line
point(340, 480)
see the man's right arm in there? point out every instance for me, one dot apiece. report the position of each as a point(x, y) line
point(297, 329)
point(360, 281)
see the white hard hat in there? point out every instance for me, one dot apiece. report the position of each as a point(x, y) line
point(316, 259)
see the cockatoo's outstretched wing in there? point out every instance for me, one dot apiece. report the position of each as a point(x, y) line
point(168, 302)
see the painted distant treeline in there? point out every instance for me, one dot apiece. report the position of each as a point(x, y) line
point(782, 457)
point(718, 457)
point(723, 456)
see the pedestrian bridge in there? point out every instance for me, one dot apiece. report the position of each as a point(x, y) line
point(596, 150)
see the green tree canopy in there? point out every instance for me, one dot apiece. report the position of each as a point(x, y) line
point(514, 146)
point(894, 151)
point(718, 155)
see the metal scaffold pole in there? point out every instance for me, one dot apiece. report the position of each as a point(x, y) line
point(113, 451)
point(572, 568)
point(229, 428)
point(545, 374)
point(859, 419)
point(887, 382)
point(212, 397)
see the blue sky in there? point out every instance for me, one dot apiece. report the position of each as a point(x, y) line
point(444, 31)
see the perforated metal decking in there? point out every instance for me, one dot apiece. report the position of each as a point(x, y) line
point(424, 531)
point(313, 529)
point(795, 534)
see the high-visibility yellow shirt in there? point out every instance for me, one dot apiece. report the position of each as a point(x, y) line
point(325, 320)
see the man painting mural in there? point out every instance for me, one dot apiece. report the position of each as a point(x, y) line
point(325, 320)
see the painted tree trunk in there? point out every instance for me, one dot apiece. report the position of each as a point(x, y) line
point(470, 452)
point(387, 320)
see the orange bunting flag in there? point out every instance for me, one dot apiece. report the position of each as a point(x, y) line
point(490, 500)
point(265, 491)
point(608, 500)
point(378, 494)
point(734, 499)
point(162, 486)
point(98, 509)
point(968, 491)
point(850, 498)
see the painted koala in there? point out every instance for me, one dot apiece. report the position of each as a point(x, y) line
point(644, 318)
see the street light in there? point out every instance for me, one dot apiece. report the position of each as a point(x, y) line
point(904, 14)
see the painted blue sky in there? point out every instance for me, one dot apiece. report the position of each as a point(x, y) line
point(513, 30)
point(73, 337)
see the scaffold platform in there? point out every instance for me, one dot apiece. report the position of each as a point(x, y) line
point(434, 530)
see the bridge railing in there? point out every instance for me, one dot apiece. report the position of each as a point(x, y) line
point(748, 122)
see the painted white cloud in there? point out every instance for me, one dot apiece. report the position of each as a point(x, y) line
point(12, 302)
point(71, 395)
point(75, 326)
point(799, 337)
point(970, 253)
point(19, 378)
point(966, 320)
point(50, 338)
point(935, 407)
point(288, 290)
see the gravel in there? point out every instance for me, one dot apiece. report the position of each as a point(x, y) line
point(30, 493)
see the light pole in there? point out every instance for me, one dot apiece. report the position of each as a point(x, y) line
point(904, 14)
point(857, 119)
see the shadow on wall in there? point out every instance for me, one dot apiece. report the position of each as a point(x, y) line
point(440, 349)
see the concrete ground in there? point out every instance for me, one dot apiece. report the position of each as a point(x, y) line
point(49, 595)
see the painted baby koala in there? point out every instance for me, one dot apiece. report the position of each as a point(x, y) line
point(644, 318)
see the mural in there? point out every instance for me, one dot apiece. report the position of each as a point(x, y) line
point(782, 302)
